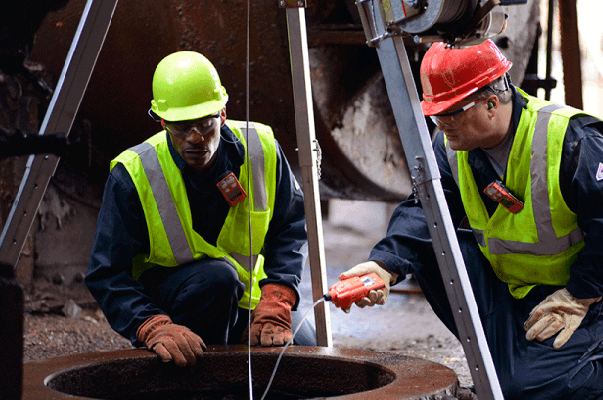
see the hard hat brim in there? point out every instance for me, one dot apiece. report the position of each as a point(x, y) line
point(195, 111)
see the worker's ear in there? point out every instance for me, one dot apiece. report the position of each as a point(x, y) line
point(223, 116)
point(492, 104)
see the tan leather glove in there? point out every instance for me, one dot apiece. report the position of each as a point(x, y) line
point(559, 312)
point(374, 296)
point(271, 318)
point(170, 341)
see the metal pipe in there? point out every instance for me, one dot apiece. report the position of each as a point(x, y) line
point(570, 53)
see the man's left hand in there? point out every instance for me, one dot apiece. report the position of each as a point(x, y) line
point(271, 318)
point(559, 312)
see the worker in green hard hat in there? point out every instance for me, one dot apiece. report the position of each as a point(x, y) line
point(187, 89)
point(188, 214)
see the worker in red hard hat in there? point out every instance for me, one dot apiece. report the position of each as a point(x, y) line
point(450, 82)
point(523, 178)
point(176, 263)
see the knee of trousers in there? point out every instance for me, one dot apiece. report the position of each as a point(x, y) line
point(515, 384)
point(217, 279)
point(526, 381)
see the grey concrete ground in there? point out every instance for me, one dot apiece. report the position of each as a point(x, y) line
point(406, 323)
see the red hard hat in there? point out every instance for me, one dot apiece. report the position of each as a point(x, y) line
point(449, 75)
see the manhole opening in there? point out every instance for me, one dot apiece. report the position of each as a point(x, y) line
point(221, 376)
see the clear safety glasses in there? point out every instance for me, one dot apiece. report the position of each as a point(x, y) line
point(456, 115)
point(202, 126)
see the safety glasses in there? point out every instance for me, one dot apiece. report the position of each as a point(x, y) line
point(437, 119)
point(202, 126)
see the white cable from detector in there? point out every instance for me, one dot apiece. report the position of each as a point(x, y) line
point(278, 360)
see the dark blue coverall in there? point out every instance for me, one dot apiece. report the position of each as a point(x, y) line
point(204, 294)
point(525, 369)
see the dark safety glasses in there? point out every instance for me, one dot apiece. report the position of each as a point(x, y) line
point(202, 126)
point(438, 118)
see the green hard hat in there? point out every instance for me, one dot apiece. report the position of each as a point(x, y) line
point(186, 86)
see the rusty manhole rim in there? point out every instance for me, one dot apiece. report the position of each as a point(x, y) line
point(443, 380)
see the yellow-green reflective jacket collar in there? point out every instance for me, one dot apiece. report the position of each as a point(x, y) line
point(520, 103)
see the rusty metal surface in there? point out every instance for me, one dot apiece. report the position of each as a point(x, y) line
point(142, 33)
point(362, 154)
point(304, 372)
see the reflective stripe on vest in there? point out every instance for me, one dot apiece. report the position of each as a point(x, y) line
point(523, 248)
point(169, 215)
point(256, 159)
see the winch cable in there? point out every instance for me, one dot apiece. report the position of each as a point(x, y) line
point(250, 263)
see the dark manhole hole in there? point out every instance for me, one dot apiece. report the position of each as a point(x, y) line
point(220, 376)
point(222, 373)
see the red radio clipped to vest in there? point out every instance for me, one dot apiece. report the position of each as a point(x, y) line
point(231, 189)
point(498, 192)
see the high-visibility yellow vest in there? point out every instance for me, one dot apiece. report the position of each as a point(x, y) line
point(537, 245)
point(173, 240)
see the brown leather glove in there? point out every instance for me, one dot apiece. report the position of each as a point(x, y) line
point(170, 341)
point(271, 318)
point(559, 312)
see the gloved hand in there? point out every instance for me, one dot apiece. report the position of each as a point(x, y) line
point(558, 312)
point(170, 341)
point(374, 296)
point(271, 318)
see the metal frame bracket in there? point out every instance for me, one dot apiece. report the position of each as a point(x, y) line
point(309, 154)
point(80, 62)
point(293, 3)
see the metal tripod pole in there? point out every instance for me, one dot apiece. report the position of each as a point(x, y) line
point(309, 156)
point(416, 141)
point(82, 56)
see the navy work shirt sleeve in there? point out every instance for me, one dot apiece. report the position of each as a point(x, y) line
point(121, 233)
point(286, 245)
point(408, 238)
point(582, 187)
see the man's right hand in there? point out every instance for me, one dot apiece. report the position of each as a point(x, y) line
point(374, 296)
point(170, 341)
